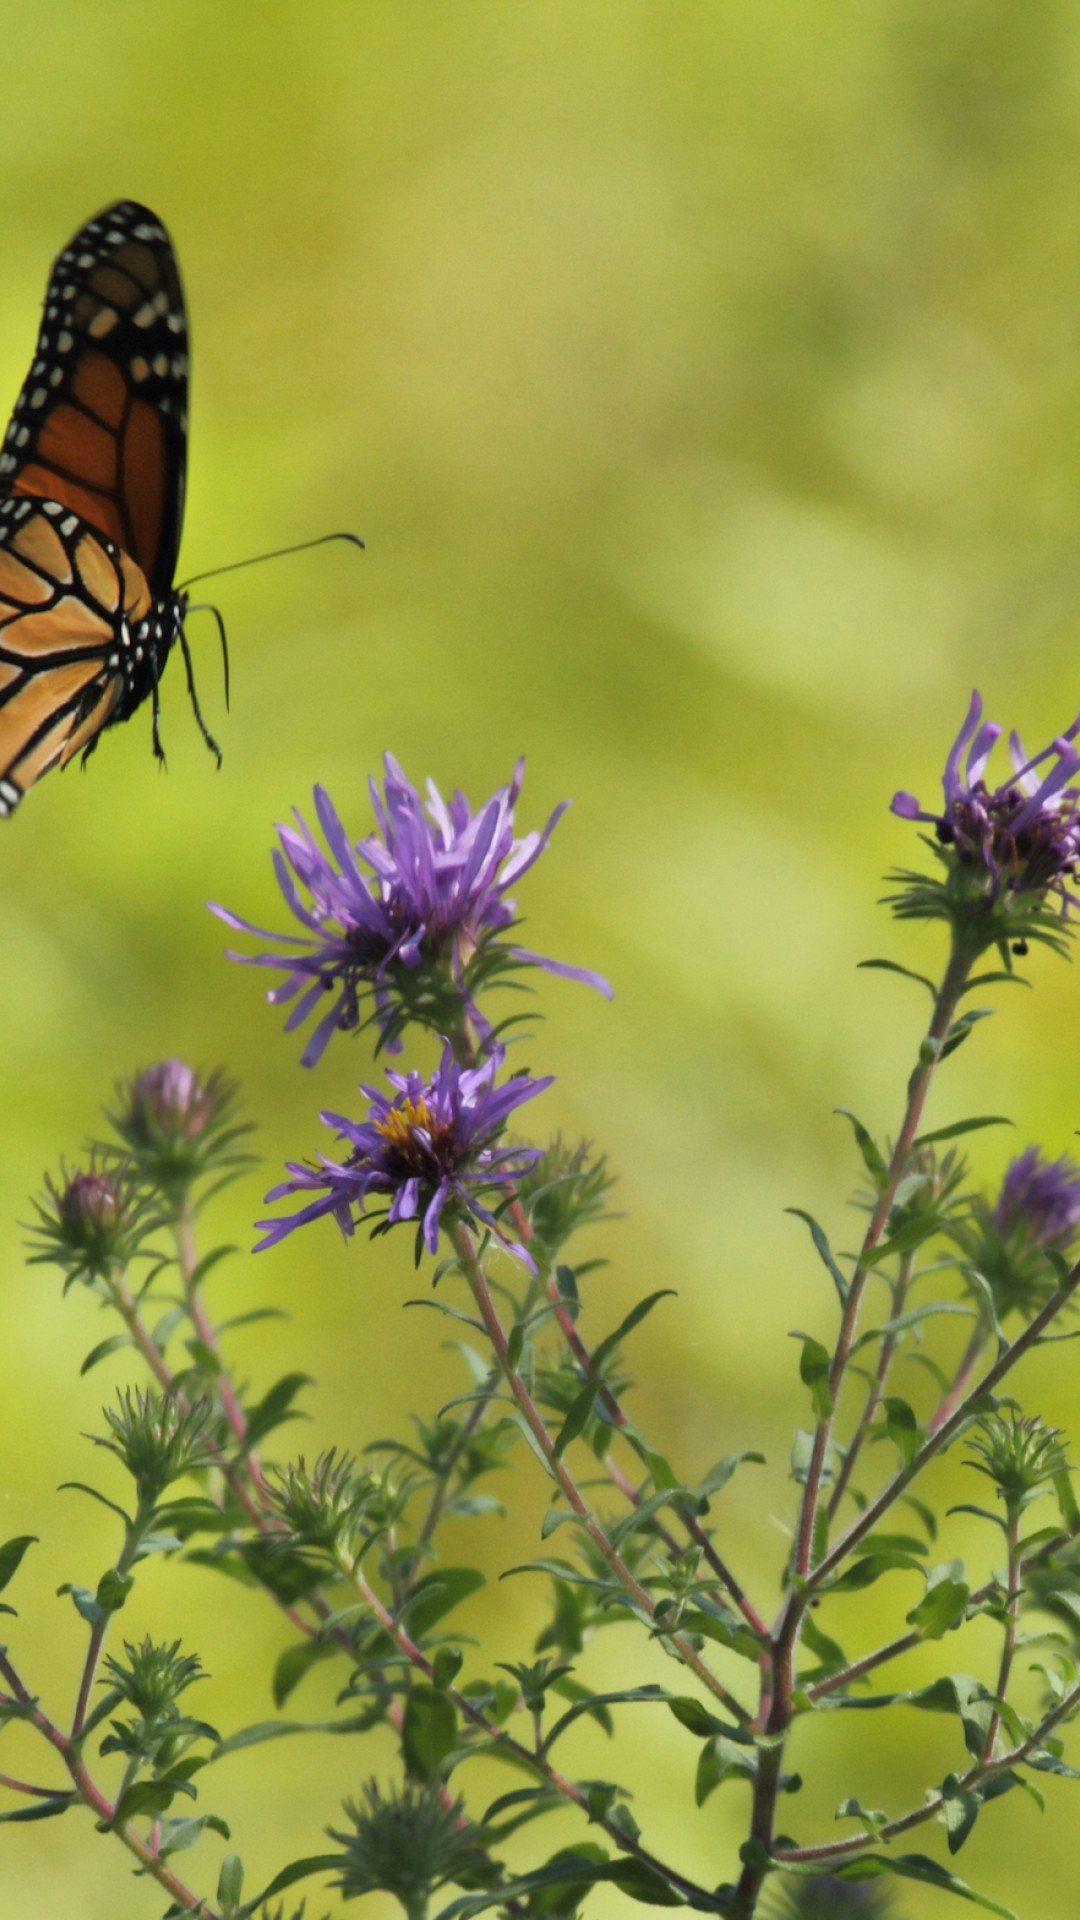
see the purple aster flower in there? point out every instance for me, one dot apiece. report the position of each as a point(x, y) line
point(1024, 834)
point(1040, 1198)
point(428, 1146)
point(410, 915)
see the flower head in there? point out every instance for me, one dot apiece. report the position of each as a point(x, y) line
point(429, 1147)
point(1013, 844)
point(409, 917)
point(1006, 1241)
point(1040, 1198)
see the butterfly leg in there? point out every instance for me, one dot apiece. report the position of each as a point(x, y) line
point(155, 727)
point(195, 708)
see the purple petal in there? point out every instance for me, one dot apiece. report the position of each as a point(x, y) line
point(564, 971)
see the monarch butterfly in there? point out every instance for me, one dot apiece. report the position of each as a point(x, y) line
point(91, 501)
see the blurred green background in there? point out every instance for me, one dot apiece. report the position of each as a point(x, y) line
point(705, 384)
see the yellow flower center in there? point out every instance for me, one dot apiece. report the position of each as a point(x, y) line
point(399, 1125)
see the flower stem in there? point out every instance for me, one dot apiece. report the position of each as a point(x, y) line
point(461, 1242)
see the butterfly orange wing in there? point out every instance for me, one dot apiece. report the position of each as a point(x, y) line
point(67, 593)
point(101, 423)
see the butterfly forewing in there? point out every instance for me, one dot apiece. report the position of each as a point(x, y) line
point(101, 423)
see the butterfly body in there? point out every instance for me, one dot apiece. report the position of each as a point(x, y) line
point(92, 471)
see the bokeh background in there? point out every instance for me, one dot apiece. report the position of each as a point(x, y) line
point(705, 384)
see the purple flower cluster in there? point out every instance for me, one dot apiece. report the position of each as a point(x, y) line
point(434, 894)
point(1041, 1198)
point(428, 1146)
point(1025, 834)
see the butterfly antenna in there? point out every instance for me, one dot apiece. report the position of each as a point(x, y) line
point(205, 606)
point(278, 553)
point(194, 698)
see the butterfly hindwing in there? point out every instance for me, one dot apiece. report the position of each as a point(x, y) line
point(72, 607)
point(101, 423)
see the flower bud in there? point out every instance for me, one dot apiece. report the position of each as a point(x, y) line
point(177, 1125)
point(90, 1222)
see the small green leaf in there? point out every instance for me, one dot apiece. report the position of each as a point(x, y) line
point(274, 1408)
point(890, 966)
point(961, 1810)
point(11, 1554)
point(871, 1153)
point(580, 1409)
point(514, 1347)
point(633, 1319)
point(718, 1476)
point(692, 1714)
point(437, 1594)
point(824, 1251)
point(294, 1663)
point(85, 1603)
point(41, 1809)
point(961, 1126)
point(866, 1571)
point(113, 1589)
point(428, 1731)
point(446, 1666)
point(902, 1427)
point(814, 1364)
point(941, 1607)
point(145, 1797)
point(230, 1884)
point(104, 1348)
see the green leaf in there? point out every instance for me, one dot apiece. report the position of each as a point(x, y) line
point(814, 1364)
point(587, 1702)
point(718, 1476)
point(890, 966)
point(42, 1809)
point(437, 1594)
point(824, 1251)
point(264, 1730)
point(274, 1409)
point(580, 1409)
point(11, 1554)
point(829, 1652)
point(902, 1427)
point(288, 1877)
point(925, 1513)
point(85, 1603)
point(692, 1714)
point(906, 1238)
point(961, 1126)
point(721, 1760)
point(639, 1516)
point(633, 1319)
point(514, 1347)
point(961, 1810)
point(428, 1732)
point(961, 1029)
point(866, 1571)
point(446, 1666)
point(592, 1704)
point(872, 1157)
point(145, 1797)
point(113, 1589)
point(941, 1607)
point(294, 1663)
point(104, 1348)
point(918, 1866)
